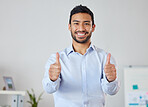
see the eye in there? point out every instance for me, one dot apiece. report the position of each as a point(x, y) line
point(86, 24)
point(76, 23)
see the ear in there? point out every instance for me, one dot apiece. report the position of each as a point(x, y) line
point(93, 28)
point(69, 27)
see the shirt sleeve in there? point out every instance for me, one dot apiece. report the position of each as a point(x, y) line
point(48, 85)
point(110, 88)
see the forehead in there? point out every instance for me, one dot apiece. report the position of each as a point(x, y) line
point(81, 17)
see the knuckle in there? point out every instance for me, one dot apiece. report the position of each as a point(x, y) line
point(51, 66)
point(105, 68)
point(50, 70)
point(107, 74)
point(58, 67)
point(59, 72)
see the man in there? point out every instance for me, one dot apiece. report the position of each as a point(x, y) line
point(81, 75)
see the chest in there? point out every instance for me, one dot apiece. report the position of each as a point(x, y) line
point(77, 69)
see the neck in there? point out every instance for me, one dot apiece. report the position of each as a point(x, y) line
point(81, 47)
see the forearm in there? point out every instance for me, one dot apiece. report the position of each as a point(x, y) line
point(50, 86)
point(52, 69)
point(110, 74)
point(110, 88)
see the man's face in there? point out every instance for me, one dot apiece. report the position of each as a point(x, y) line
point(81, 27)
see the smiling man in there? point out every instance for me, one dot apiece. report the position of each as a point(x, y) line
point(82, 74)
point(81, 27)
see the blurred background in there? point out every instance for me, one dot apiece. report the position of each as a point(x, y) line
point(31, 30)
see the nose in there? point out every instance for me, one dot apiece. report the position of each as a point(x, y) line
point(81, 27)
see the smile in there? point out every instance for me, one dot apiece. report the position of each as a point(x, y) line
point(81, 34)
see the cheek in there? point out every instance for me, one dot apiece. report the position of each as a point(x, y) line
point(89, 29)
point(73, 29)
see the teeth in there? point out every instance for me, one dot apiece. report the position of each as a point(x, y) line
point(81, 34)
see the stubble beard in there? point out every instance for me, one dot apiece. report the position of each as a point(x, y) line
point(82, 42)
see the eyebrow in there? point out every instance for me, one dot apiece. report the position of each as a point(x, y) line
point(76, 21)
point(87, 21)
point(79, 21)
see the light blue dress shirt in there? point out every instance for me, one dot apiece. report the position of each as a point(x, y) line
point(82, 82)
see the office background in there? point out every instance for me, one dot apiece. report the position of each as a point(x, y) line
point(31, 30)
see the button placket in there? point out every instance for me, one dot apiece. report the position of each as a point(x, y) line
point(84, 79)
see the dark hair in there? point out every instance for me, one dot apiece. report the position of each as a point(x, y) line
point(81, 9)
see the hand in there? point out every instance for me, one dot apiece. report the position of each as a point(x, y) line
point(55, 69)
point(110, 70)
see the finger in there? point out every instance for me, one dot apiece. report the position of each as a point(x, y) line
point(57, 58)
point(108, 59)
point(110, 70)
point(109, 66)
point(110, 78)
point(54, 71)
point(113, 76)
point(55, 66)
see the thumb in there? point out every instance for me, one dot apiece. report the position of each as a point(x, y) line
point(57, 58)
point(108, 59)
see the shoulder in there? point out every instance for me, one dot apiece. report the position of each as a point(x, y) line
point(102, 54)
point(100, 51)
point(62, 53)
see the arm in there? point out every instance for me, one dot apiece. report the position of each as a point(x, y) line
point(109, 82)
point(51, 80)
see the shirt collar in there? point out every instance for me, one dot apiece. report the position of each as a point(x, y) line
point(70, 49)
point(91, 47)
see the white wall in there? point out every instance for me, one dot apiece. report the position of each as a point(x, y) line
point(31, 30)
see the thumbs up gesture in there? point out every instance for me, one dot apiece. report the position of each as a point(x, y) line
point(55, 69)
point(110, 70)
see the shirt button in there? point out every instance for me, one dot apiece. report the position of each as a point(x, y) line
point(85, 104)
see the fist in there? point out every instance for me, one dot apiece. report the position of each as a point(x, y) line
point(110, 70)
point(55, 69)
